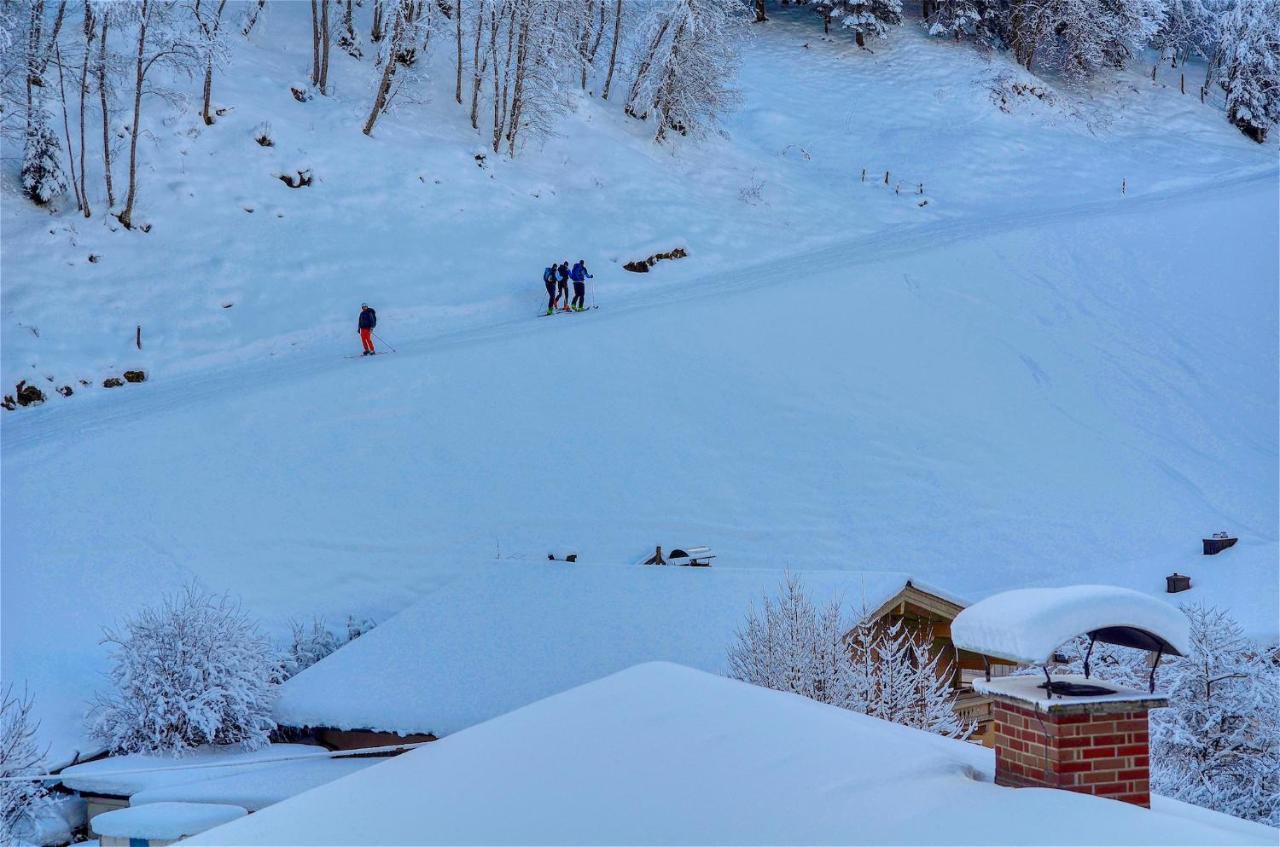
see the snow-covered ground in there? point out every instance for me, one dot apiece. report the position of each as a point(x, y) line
point(1031, 380)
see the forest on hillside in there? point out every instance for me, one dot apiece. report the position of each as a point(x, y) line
point(79, 78)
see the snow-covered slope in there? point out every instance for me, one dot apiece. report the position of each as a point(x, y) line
point(1032, 380)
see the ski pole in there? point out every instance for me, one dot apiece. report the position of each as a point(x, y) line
point(383, 340)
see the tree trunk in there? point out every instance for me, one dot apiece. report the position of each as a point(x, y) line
point(375, 31)
point(126, 216)
point(106, 111)
point(595, 44)
point(325, 39)
point(477, 68)
point(388, 71)
point(613, 51)
point(584, 47)
point(760, 16)
point(252, 20)
point(66, 128)
point(212, 31)
point(499, 126)
point(90, 30)
point(457, 26)
point(645, 64)
point(315, 44)
point(517, 96)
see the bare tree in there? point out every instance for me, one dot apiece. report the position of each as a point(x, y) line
point(158, 41)
point(403, 37)
point(251, 19)
point(376, 30)
point(326, 37)
point(20, 755)
point(76, 183)
point(613, 51)
point(209, 26)
point(348, 40)
point(457, 28)
point(100, 70)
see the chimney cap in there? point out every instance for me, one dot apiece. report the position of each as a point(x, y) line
point(1027, 625)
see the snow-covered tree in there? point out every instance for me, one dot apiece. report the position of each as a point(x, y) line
point(980, 20)
point(20, 800)
point(1079, 38)
point(193, 670)
point(43, 179)
point(212, 43)
point(1250, 45)
point(1189, 29)
point(1121, 665)
point(912, 684)
point(792, 645)
point(889, 672)
point(864, 18)
point(685, 56)
point(1218, 743)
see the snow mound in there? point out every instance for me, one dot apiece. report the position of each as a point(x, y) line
point(509, 634)
point(164, 821)
point(1026, 625)
point(663, 754)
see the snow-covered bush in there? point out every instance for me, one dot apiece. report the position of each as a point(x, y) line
point(980, 20)
point(42, 177)
point(193, 670)
point(1251, 63)
point(357, 627)
point(1079, 38)
point(308, 644)
point(685, 58)
point(888, 672)
point(1217, 745)
point(19, 800)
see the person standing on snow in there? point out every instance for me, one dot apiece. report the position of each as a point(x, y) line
point(562, 284)
point(368, 320)
point(580, 276)
point(549, 280)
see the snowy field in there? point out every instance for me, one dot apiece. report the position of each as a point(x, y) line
point(1032, 380)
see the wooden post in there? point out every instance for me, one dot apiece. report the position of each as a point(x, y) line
point(137, 336)
point(886, 177)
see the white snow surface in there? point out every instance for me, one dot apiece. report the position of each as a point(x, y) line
point(662, 754)
point(507, 634)
point(256, 787)
point(1026, 625)
point(1026, 689)
point(164, 821)
point(1032, 380)
point(108, 775)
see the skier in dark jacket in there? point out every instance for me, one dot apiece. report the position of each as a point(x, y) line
point(368, 320)
point(562, 284)
point(549, 280)
point(580, 276)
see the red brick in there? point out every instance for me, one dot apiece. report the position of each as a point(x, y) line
point(1136, 799)
point(1132, 725)
point(1098, 777)
point(1136, 773)
point(1099, 740)
point(1099, 753)
point(1111, 788)
point(1138, 737)
point(1070, 719)
point(1132, 750)
point(1075, 767)
point(1141, 761)
point(1070, 741)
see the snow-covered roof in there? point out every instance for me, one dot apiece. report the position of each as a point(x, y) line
point(164, 821)
point(505, 635)
point(257, 787)
point(662, 754)
point(1026, 625)
point(165, 777)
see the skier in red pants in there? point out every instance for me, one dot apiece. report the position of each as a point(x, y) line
point(368, 320)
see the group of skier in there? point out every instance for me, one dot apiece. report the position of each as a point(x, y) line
point(557, 277)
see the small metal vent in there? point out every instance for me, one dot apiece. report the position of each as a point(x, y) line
point(1074, 689)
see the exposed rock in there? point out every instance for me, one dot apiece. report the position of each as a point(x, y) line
point(636, 267)
point(302, 181)
point(135, 376)
point(642, 266)
point(112, 382)
point(8, 403)
point(65, 390)
point(29, 395)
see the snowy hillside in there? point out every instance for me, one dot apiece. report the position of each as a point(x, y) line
point(1033, 379)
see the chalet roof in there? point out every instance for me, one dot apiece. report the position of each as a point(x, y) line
point(1027, 625)
point(504, 635)
point(662, 754)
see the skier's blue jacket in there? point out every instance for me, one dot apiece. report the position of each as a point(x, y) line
point(579, 273)
point(368, 319)
point(549, 275)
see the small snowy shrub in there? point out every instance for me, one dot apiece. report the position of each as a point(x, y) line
point(193, 670)
point(262, 134)
point(42, 176)
point(19, 755)
point(1217, 745)
point(308, 645)
point(357, 627)
point(887, 672)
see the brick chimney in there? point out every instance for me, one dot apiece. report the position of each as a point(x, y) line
point(1094, 742)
